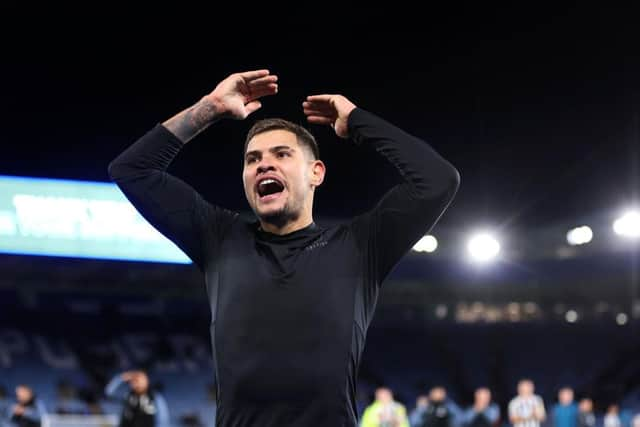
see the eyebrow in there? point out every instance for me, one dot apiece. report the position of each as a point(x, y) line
point(272, 149)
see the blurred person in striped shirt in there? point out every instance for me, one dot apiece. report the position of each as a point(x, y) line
point(527, 408)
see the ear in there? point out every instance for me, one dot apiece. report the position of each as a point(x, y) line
point(317, 173)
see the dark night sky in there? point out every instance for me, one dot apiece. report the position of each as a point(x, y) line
point(538, 108)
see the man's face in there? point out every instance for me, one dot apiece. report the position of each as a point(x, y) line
point(437, 394)
point(278, 175)
point(586, 405)
point(483, 397)
point(23, 394)
point(140, 383)
point(565, 396)
point(525, 388)
point(383, 395)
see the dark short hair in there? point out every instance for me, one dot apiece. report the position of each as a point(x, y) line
point(303, 136)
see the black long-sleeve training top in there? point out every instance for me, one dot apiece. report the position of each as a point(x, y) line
point(289, 313)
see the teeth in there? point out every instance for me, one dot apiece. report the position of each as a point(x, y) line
point(267, 181)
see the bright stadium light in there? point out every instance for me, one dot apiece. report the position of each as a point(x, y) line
point(622, 318)
point(441, 311)
point(628, 225)
point(428, 243)
point(483, 247)
point(571, 316)
point(579, 235)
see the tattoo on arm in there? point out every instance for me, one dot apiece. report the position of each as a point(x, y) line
point(190, 122)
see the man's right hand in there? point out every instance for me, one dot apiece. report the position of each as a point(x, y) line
point(238, 95)
point(127, 376)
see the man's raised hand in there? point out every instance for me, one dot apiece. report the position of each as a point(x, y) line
point(238, 95)
point(330, 110)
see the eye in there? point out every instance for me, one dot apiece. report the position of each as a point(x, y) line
point(282, 154)
point(251, 159)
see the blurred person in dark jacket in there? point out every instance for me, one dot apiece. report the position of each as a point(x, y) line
point(586, 418)
point(28, 410)
point(483, 413)
point(142, 407)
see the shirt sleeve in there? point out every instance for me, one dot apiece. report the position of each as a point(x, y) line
point(162, 418)
point(540, 405)
point(112, 386)
point(410, 209)
point(492, 413)
point(512, 410)
point(169, 204)
point(369, 418)
point(36, 412)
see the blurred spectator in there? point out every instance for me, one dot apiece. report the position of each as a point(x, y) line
point(440, 412)
point(28, 410)
point(626, 417)
point(612, 417)
point(362, 400)
point(565, 413)
point(418, 413)
point(527, 408)
point(586, 418)
point(142, 406)
point(635, 422)
point(385, 412)
point(483, 413)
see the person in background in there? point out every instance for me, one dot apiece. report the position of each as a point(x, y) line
point(586, 418)
point(440, 412)
point(527, 408)
point(612, 417)
point(142, 407)
point(384, 411)
point(28, 410)
point(418, 413)
point(483, 413)
point(565, 413)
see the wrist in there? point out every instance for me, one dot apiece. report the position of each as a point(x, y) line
point(209, 109)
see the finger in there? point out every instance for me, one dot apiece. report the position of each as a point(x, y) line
point(252, 75)
point(320, 120)
point(271, 89)
point(319, 98)
point(310, 112)
point(264, 80)
point(253, 106)
point(319, 106)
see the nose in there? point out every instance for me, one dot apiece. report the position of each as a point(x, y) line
point(265, 166)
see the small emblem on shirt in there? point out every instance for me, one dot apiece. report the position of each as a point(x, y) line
point(316, 245)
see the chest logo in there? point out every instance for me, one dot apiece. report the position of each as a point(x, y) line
point(316, 245)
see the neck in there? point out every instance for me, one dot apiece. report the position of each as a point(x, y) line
point(286, 228)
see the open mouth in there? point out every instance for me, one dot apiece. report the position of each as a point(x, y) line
point(269, 188)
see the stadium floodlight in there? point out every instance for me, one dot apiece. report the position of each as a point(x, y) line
point(579, 235)
point(622, 318)
point(628, 225)
point(571, 316)
point(441, 311)
point(483, 247)
point(428, 243)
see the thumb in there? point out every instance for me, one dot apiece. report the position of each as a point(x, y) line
point(253, 106)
